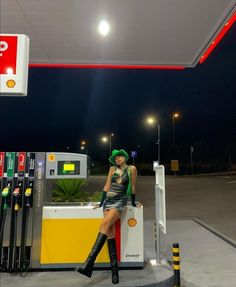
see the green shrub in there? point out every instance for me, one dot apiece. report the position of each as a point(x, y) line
point(70, 190)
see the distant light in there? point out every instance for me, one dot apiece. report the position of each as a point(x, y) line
point(150, 121)
point(10, 71)
point(105, 139)
point(83, 142)
point(104, 28)
point(82, 147)
point(175, 115)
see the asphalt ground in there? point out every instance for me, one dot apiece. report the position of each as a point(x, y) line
point(209, 198)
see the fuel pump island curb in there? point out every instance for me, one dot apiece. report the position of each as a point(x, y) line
point(36, 233)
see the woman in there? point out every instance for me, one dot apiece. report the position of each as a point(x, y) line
point(121, 181)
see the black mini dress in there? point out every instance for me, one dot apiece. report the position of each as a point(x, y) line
point(116, 196)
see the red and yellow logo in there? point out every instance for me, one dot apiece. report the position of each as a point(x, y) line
point(132, 222)
point(10, 84)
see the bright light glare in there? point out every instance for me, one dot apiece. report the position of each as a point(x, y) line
point(150, 121)
point(104, 139)
point(104, 28)
point(176, 115)
point(10, 71)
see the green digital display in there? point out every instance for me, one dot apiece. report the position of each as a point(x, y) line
point(68, 168)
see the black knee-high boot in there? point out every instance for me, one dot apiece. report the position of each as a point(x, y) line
point(87, 268)
point(113, 258)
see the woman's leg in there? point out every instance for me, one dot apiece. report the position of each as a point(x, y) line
point(111, 242)
point(109, 219)
point(112, 251)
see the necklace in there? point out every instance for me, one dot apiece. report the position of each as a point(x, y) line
point(120, 172)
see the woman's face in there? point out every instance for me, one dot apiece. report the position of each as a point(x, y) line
point(119, 160)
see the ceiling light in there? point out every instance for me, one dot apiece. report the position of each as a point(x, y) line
point(104, 28)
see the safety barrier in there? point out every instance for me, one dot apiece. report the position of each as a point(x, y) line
point(176, 264)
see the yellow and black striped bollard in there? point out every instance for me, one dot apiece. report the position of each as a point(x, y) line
point(176, 264)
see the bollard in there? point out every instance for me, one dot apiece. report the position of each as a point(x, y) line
point(176, 264)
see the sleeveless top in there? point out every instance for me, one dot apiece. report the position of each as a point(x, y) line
point(119, 185)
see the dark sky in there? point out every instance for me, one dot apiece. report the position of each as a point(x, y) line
point(64, 106)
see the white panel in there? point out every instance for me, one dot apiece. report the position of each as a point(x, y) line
point(160, 197)
point(132, 236)
point(59, 156)
point(71, 212)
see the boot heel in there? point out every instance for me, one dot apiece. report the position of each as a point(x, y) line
point(115, 275)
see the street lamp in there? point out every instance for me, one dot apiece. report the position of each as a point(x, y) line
point(83, 145)
point(105, 139)
point(111, 135)
point(174, 116)
point(151, 121)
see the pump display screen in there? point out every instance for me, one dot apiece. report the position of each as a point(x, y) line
point(68, 168)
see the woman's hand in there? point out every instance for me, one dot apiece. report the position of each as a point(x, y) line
point(139, 205)
point(96, 206)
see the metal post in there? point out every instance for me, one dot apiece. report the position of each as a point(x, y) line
point(110, 145)
point(176, 264)
point(159, 143)
point(157, 229)
point(173, 118)
point(191, 155)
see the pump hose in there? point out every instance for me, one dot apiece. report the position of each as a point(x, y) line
point(2, 226)
point(15, 263)
point(12, 239)
point(3, 219)
point(23, 239)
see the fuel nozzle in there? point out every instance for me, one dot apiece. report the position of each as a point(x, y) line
point(16, 195)
point(5, 194)
point(28, 193)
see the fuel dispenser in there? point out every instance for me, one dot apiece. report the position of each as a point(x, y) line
point(37, 233)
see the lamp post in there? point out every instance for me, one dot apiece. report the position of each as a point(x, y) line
point(151, 121)
point(105, 139)
point(83, 145)
point(111, 135)
point(174, 116)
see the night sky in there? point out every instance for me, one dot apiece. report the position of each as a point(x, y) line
point(64, 106)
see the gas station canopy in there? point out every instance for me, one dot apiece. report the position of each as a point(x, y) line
point(151, 33)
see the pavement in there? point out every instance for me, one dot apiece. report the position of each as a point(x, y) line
point(200, 216)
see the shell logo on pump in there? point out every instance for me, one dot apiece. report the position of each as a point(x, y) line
point(10, 83)
point(51, 157)
point(132, 222)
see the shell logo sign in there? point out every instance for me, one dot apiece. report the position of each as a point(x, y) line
point(3, 46)
point(14, 60)
point(132, 222)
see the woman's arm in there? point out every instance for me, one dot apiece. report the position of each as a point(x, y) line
point(133, 173)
